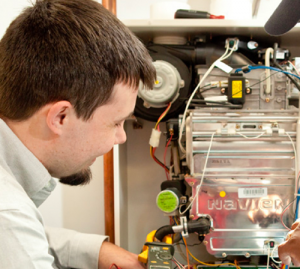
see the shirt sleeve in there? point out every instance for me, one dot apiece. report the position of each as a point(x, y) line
point(74, 250)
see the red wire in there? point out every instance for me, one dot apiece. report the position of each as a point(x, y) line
point(114, 265)
point(165, 155)
point(281, 217)
point(154, 158)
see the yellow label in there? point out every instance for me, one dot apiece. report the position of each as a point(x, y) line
point(237, 89)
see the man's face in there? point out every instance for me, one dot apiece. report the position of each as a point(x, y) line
point(84, 141)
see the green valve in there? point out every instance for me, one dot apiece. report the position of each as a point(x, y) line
point(167, 201)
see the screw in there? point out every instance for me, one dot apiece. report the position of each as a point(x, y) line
point(191, 216)
point(205, 243)
point(247, 255)
point(183, 200)
point(259, 127)
point(248, 90)
point(223, 90)
point(224, 255)
point(267, 100)
point(237, 127)
point(192, 183)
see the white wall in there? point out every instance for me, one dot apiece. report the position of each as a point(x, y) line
point(10, 9)
point(83, 206)
point(140, 10)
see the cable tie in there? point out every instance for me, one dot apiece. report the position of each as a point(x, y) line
point(246, 69)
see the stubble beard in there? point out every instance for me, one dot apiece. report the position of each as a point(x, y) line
point(81, 178)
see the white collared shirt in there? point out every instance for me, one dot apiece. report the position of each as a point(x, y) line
point(24, 242)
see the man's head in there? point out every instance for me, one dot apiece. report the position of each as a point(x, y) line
point(72, 50)
point(65, 66)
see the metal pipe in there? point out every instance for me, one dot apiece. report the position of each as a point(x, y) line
point(110, 5)
point(109, 203)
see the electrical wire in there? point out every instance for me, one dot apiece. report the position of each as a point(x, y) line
point(152, 150)
point(263, 79)
point(272, 256)
point(281, 217)
point(114, 265)
point(197, 244)
point(202, 178)
point(288, 75)
point(250, 67)
point(225, 103)
point(284, 266)
point(163, 115)
point(187, 252)
point(294, 67)
point(165, 155)
point(178, 264)
point(296, 177)
point(295, 152)
point(247, 137)
point(268, 259)
point(223, 57)
point(208, 264)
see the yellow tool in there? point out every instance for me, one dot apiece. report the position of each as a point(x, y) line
point(143, 257)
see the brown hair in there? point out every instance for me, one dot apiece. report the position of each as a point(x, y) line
point(72, 50)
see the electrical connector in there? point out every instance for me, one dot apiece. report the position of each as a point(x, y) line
point(155, 137)
point(231, 131)
point(272, 244)
point(269, 131)
point(281, 131)
point(232, 43)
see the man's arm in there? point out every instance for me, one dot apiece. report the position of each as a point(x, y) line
point(72, 249)
point(110, 253)
point(289, 251)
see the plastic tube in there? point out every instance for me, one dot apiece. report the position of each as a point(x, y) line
point(269, 51)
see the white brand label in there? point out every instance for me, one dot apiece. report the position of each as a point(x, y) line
point(252, 192)
point(224, 67)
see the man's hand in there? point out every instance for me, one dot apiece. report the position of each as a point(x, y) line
point(289, 251)
point(110, 253)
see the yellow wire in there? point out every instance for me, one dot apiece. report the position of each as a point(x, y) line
point(187, 250)
point(162, 116)
point(208, 264)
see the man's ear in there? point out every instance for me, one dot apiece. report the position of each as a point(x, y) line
point(58, 116)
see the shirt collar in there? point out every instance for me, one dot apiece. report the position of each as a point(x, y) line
point(20, 162)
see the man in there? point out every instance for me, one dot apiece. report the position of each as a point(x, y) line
point(69, 73)
point(284, 18)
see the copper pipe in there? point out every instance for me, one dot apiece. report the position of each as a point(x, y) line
point(110, 5)
point(108, 160)
point(109, 204)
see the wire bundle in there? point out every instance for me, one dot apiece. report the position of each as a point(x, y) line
point(284, 266)
point(152, 149)
point(227, 54)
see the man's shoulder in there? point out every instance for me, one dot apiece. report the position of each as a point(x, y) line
point(12, 195)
